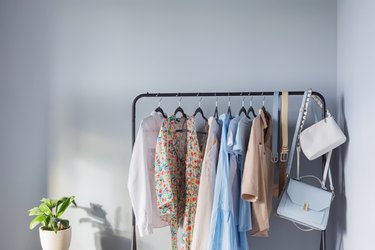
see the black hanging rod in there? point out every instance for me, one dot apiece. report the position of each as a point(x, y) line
point(244, 94)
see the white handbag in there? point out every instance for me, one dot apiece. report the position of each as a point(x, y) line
point(321, 137)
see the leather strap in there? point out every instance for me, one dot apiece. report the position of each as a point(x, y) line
point(284, 127)
point(284, 140)
point(275, 127)
point(296, 131)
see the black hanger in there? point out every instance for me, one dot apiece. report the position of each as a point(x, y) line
point(160, 110)
point(199, 110)
point(179, 109)
point(229, 111)
point(243, 110)
point(216, 113)
point(251, 109)
point(263, 107)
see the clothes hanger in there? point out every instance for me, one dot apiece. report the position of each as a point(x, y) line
point(263, 107)
point(216, 113)
point(229, 111)
point(199, 110)
point(159, 109)
point(251, 109)
point(179, 109)
point(243, 110)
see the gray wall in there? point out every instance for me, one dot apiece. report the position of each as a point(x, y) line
point(24, 91)
point(354, 208)
point(99, 55)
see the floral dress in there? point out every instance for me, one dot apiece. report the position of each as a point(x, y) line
point(178, 161)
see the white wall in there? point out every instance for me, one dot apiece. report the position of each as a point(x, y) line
point(356, 59)
point(101, 54)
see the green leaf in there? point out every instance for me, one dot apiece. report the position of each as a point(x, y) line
point(46, 222)
point(35, 211)
point(59, 202)
point(50, 203)
point(44, 200)
point(45, 209)
point(36, 221)
point(65, 204)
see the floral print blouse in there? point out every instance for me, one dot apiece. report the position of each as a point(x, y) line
point(178, 162)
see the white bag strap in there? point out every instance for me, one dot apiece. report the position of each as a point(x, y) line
point(326, 171)
point(296, 132)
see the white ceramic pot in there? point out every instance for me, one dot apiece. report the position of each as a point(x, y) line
point(55, 241)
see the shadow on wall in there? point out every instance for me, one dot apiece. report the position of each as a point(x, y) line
point(339, 209)
point(107, 238)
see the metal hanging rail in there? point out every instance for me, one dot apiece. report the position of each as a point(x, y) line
point(219, 94)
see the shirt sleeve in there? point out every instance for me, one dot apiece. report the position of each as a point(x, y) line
point(138, 184)
point(251, 174)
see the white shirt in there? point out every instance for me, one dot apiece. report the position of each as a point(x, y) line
point(206, 188)
point(141, 181)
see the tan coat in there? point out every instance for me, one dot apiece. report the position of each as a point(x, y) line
point(258, 174)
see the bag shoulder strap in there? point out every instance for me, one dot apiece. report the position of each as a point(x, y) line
point(296, 131)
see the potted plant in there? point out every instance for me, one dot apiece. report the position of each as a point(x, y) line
point(55, 232)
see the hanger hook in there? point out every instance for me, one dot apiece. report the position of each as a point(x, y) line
point(200, 100)
point(160, 101)
point(251, 99)
point(264, 98)
point(179, 102)
point(228, 99)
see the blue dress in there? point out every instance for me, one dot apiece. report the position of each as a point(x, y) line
point(223, 232)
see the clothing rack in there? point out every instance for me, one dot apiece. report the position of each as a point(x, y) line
point(214, 94)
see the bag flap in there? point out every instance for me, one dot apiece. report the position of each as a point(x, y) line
point(301, 193)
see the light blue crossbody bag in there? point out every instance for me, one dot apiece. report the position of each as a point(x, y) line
point(300, 202)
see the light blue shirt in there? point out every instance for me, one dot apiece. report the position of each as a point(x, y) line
point(223, 232)
point(237, 134)
point(240, 149)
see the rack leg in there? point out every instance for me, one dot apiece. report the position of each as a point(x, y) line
point(134, 241)
point(323, 240)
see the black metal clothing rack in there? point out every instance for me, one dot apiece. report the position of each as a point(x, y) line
point(218, 94)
